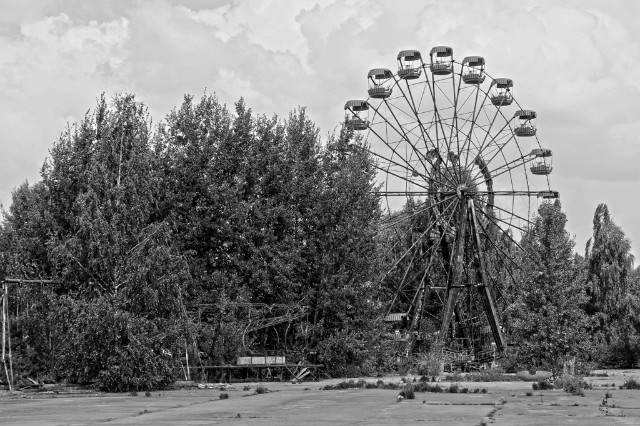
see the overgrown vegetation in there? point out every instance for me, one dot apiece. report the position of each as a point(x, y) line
point(172, 247)
point(631, 383)
point(408, 390)
point(169, 243)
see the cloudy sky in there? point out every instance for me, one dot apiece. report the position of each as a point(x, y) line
point(577, 63)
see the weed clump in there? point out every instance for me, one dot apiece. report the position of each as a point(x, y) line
point(631, 383)
point(541, 385)
point(408, 392)
point(572, 384)
point(224, 395)
point(261, 389)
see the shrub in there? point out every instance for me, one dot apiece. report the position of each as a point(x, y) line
point(113, 348)
point(631, 383)
point(484, 390)
point(571, 384)
point(529, 393)
point(428, 365)
point(453, 388)
point(537, 376)
point(427, 387)
point(224, 395)
point(261, 389)
point(543, 385)
point(409, 391)
point(535, 386)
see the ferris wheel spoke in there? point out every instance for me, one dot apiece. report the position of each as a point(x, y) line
point(404, 178)
point(405, 138)
point(523, 160)
point(473, 121)
point(454, 124)
point(507, 167)
point(510, 213)
point(406, 166)
point(425, 134)
point(438, 123)
point(488, 132)
point(402, 218)
point(415, 148)
point(487, 234)
point(429, 229)
point(491, 219)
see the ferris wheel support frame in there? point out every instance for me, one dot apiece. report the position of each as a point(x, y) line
point(443, 141)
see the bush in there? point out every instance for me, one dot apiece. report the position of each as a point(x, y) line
point(428, 365)
point(571, 384)
point(453, 388)
point(631, 383)
point(537, 376)
point(99, 342)
point(409, 391)
point(224, 395)
point(261, 389)
point(542, 385)
point(427, 387)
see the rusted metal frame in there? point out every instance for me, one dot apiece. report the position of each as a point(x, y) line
point(456, 273)
point(484, 286)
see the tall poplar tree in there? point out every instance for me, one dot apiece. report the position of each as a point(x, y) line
point(548, 325)
point(612, 291)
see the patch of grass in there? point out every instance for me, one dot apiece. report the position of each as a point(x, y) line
point(147, 394)
point(133, 393)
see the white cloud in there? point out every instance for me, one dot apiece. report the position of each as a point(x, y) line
point(576, 62)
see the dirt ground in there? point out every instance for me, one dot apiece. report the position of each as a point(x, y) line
point(505, 404)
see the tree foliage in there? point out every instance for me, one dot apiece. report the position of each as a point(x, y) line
point(548, 322)
point(612, 287)
point(217, 234)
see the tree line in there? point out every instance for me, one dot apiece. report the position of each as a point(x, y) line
point(219, 233)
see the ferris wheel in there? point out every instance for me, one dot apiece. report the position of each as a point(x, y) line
point(461, 173)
